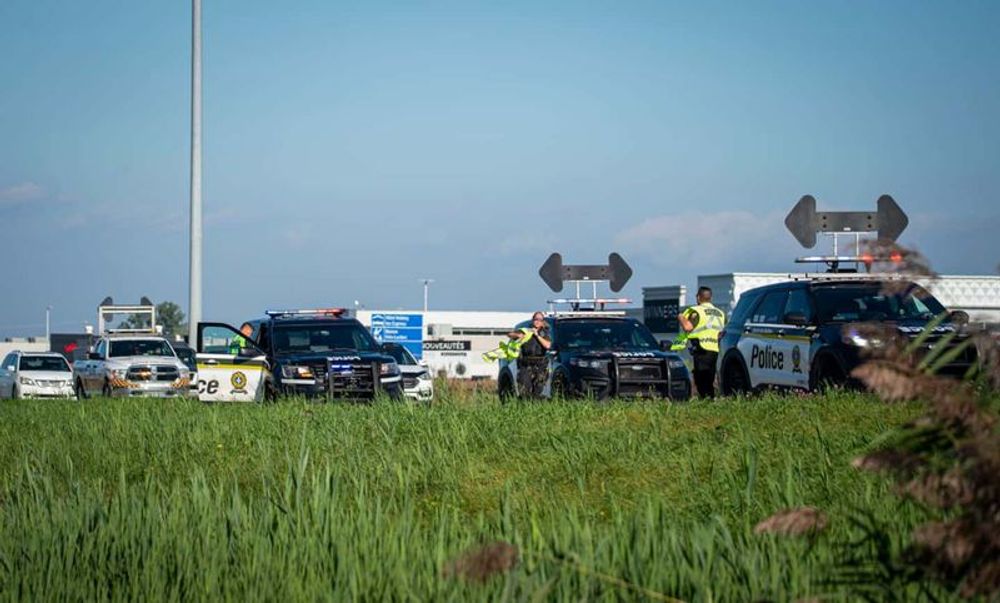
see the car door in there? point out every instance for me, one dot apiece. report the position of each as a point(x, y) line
point(797, 336)
point(92, 377)
point(228, 371)
point(763, 344)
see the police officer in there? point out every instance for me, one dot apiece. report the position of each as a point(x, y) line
point(239, 343)
point(532, 366)
point(702, 323)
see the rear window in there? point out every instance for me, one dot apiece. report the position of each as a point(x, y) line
point(44, 363)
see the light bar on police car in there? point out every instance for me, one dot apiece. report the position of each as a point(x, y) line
point(590, 300)
point(312, 312)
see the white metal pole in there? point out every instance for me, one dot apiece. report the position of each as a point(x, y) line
point(194, 305)
point(48, 331)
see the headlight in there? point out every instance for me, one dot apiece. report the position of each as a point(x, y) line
point(676, 364)
point(297, 372)
point(184, 373)
point(26, 380)
point(424, 376)
point(118, 373)
point(389, 369)
point(588, 363)
point(858, 340)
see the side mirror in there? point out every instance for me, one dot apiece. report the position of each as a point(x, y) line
point(10, 367)
point(93, 356)
point(796, 318)
point(422, 363)
point(666, 344)
point(959, 317)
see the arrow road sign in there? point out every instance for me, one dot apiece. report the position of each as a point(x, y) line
point(554, 272)
point(804, 221)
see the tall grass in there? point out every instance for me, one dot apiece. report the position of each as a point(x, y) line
point(142, 499)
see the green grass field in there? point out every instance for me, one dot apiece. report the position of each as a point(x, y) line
point(148, 499)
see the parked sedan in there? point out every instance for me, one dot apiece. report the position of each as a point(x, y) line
point(35, 375)
point(417, 382)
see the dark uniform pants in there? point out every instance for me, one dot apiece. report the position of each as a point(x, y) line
point(704, 372)
point(532, 373)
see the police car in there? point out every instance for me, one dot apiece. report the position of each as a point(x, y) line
point(314, 353)
point(602, 354)
point(793, 335)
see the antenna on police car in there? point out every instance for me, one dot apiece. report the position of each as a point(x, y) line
point(888, 221)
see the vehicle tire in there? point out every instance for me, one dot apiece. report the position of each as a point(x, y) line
point(560, 386)
point(826, 374)
point(106, 390)
point(735, 381)
point(81, 394)
point(505, 388)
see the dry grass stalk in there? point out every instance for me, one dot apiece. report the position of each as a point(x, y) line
point(482, 563)
point(799, 521)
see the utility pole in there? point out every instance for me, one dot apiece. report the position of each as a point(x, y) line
point(194, 286)
point(48, 330)
point(427, 284)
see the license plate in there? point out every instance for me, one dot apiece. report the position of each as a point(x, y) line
point(342, 369)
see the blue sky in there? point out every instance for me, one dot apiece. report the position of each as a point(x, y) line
point(352, 148)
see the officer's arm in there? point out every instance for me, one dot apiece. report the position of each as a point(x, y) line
point(545, 342)
point(515, 334)
point(685, 322)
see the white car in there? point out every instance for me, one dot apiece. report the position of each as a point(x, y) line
point(126, 366)
point(417, 381)
point(35, 375)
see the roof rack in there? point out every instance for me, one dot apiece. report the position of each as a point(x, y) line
point(107, 311)
point(334, 312)
point(848, 276)
point(588, 305)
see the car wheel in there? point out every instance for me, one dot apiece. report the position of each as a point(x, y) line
point(106, 390)
point(826, 374)
point(735, 380)
point(505, 388)
point(560, 386)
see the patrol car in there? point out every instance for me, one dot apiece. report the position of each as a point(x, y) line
point(313, 353)
point(602, 354)
point(797, 334)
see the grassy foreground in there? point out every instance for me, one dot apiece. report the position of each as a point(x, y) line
point(145, 499)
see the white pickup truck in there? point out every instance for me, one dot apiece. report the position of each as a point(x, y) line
point(132, 365)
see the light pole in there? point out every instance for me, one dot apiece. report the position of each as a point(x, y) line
point(427, 284)
point(194, 287)
point(48, 331)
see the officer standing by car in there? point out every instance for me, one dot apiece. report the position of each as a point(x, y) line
point(701, 325)
point(532, 365)
point(239, 343)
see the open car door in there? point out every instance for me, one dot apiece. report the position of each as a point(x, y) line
point(231, 368)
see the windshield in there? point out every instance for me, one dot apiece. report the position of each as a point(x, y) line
point(44, 363)
point(140, 347)
point(188, 357)
point(870, 303)
point(604, 335)
point(401, 355)
point(322, 338)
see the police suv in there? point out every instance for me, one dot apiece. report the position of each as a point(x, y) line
point(602, 355)
point(325, 353)
point(792, 334)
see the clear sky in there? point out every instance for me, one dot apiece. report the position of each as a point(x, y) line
point(351, 148)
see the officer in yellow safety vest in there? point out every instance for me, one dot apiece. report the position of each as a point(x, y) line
point(700, 326)
point(528, 347)
point(239, 342)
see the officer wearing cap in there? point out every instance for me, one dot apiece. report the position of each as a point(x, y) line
point(701, 325)
point(532, 366)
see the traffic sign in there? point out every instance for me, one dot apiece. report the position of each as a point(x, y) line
point(889, 220)
point(404, 329)
point(554, 272)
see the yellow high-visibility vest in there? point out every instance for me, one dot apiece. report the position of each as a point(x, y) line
point(711, 320)
point(509, 349)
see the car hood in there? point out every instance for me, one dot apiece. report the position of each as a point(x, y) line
point(47, 375)
point(345, 356)
point(125, 361)
point(623, 354)
point(412, 370)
